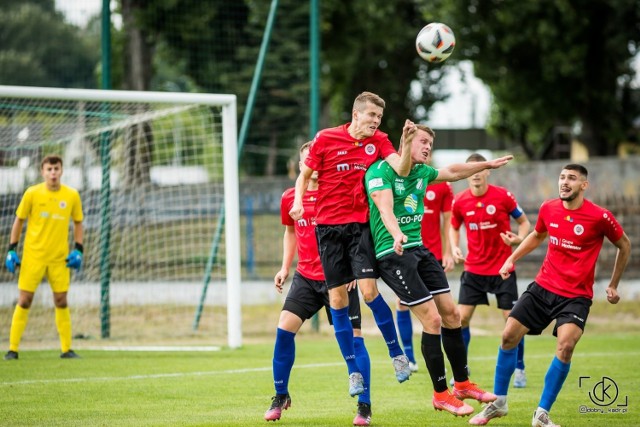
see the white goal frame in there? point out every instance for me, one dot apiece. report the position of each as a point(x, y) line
point(230, 169)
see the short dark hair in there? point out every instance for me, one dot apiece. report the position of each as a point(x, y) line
point(578, 168)
point(52, 159)
point(362, 99)
point(476, 157)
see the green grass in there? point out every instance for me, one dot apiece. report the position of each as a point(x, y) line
point(233, 387)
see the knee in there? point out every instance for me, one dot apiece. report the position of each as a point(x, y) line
point(25, 302)
point(451, 319)
point(564, 351)
point(60, 301)
point(509, 340)
point(338, 299)
point(436, 321)
point(431, 322)
point(369, 293)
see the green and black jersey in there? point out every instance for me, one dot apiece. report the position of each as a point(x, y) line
point(408, 202)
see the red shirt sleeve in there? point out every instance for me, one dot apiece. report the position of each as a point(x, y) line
point(314, 158)
point(286, 202)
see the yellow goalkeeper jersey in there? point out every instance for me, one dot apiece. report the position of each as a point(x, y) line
point(48, 214)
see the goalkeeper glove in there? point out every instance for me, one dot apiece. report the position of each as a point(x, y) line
point(74, 260)
point(12, 259)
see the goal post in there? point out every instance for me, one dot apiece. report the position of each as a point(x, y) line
point(154, 170)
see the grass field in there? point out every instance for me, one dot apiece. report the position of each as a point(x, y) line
point(233, 387)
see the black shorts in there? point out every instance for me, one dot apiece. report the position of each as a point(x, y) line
point(306, 297)
point(415, 276)
point(346, 253)
point(474, 289)
point(538, 307)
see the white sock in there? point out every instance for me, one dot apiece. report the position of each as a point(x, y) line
point(500, 401)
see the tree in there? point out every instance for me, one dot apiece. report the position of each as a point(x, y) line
point(38, 48)
point(216, 44)
point(552, 63)
point(370, 46)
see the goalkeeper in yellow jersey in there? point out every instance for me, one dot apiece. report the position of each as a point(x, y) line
point(47, 207)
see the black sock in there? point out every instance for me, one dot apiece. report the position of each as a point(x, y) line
point(432, 353)
point(456, 353)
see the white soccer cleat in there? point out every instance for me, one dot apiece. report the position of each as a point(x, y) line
point(520, 379)
point(401, 366)
point(488, 413)
point(356, 384)
point(541, 419)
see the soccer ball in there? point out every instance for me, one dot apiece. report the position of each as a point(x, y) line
point(435, 42)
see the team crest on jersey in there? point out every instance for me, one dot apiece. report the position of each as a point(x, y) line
point(419, 184)
point(431, 195)
point(578, 229)
point(399, 186)
point(491, 209)
point(370, 149)
point(411, 203)
point(62, 204)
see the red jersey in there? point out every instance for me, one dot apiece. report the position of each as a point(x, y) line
point(485, 217)
point(308, 258)
point(341, 162)
point(437, 200)
point(575, 240)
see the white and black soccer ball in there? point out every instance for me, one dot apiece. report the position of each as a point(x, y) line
point(435, 42)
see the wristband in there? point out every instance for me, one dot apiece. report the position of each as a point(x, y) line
point(13, 246)
point(79, 247)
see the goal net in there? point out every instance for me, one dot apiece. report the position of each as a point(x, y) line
point(157, 174)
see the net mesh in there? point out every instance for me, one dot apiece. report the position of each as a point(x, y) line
point(164, 164)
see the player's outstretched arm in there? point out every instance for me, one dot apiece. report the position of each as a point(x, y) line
point(448, 262)
point(401, 163)
point(532, 241)
point(458, 171)
point(454, 242)
point(302, 182)
point(289, 245)
point(622, 258)
point(383, 200)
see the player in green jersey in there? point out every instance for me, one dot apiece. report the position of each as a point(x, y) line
point(412, 271)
